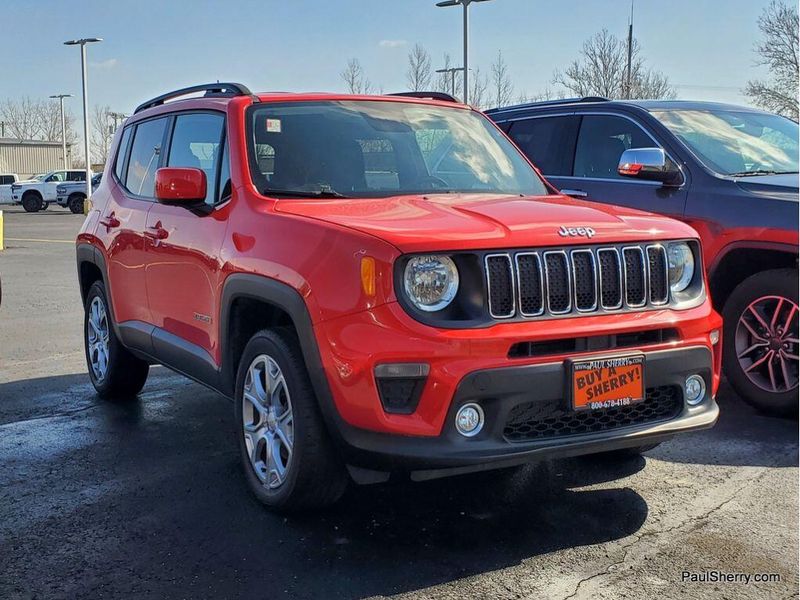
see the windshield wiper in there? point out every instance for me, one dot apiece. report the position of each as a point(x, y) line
point(761, 172)
point(303, 194)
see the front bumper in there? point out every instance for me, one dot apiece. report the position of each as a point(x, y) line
point(475, 365)
point(499, 391)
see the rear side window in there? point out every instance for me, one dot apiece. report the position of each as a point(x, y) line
point(6, 179)
point(144, 157)
point(76, 175)
point(122, 150)
point(601, 142)
point(548, 141)
point(197, 142)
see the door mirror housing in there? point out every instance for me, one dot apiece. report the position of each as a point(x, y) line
point(649, 164)
point(180, 185)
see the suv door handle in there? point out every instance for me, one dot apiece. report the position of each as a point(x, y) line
point(574, 193)
point(157, 232)
point(110, 221)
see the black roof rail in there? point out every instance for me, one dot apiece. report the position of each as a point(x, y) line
point(427, 96)
point(548, 103)
point(210, 89)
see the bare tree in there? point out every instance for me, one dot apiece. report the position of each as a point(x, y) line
point(102, 133)
point(418, 75)
point(778, 50)
point(478, 88)
point(353, 75)
point(501, 82)
point(20, 118)
point(28, 119)
point(601, 71)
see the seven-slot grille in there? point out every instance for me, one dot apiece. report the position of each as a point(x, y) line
point(579, 280)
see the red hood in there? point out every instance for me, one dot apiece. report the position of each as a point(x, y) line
point(472, 221)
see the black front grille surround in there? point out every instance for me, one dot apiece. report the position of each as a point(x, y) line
point(537, 421)
point(582, 280)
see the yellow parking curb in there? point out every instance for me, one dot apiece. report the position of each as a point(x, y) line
point(40, 240)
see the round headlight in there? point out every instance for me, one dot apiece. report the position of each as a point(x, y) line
point(431, 282)
point(681, 266)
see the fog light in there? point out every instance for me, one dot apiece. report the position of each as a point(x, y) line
point(714, 337)
point(469, 420)
point(694, 389)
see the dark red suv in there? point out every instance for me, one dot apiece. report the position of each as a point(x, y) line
point(384, 284)
point(728, 171)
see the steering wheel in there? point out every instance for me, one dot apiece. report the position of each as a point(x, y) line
point(432, 181)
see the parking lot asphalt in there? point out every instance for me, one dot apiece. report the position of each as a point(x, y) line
point(147, 500)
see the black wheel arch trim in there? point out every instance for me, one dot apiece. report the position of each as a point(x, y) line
point(289, 300)
point(749, 245)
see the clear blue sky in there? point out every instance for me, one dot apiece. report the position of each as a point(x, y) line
point(152, 46)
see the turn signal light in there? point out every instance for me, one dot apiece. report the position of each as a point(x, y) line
point(368, 275)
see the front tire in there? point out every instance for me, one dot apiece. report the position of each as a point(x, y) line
point(31, 202)
point(289, 460)
point(115, 373)
point(760, 353)
point(75, 204)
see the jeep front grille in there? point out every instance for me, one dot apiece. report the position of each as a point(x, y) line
point(557, 281)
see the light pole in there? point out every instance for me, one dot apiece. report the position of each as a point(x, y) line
point(451, 71)
point(60, 98)
point(465, 4)
point(82, 43)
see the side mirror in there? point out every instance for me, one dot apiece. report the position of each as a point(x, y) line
point(649, 164)
point(180, 185)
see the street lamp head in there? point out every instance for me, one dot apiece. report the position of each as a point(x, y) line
point(82, 41)
point(448, 3)
point(57, 96)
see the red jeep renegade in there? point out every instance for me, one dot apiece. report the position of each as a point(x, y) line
point(385, 284)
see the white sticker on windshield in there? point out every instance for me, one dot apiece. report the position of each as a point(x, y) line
point(273, 125)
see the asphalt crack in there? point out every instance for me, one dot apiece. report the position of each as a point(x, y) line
point(680, 526)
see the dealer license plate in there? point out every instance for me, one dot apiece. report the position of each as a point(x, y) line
point(607, 382)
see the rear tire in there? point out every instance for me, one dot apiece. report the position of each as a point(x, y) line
point(761, 317)
point(75, 204)
point(115, 373)
point(31, 202)
point(289, 460)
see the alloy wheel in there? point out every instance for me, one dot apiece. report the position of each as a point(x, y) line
point(98, 332)
point(267, 421)
point(766, 343)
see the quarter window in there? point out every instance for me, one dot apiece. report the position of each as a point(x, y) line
point(119, 165)
point(601, 142)
point(196, 142)
point(145, 156)
point(549, 142)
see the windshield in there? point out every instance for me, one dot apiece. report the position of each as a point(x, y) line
point(736, 142)
point(379, 148)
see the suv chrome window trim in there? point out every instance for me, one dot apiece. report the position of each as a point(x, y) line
point(605, 113)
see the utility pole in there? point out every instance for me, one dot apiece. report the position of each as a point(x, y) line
point(82, 43)
point(60, 98)
point(465, 4)
point(630, 56)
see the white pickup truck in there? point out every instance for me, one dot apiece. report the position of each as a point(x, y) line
point(38, 193)
point(6, 181)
